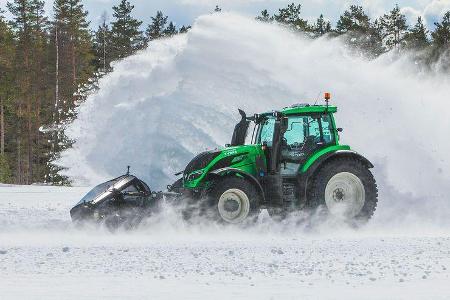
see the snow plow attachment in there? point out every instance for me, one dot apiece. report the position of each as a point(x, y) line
point(122, 201)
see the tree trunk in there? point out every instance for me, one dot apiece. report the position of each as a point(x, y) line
point(2, 127)
point(30, 142)
point(56, 106)
point(19, 157)
point(104, 48)
point(74, 72)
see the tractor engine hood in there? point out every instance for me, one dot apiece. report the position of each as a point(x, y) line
point(200, 161)
point(217, 159)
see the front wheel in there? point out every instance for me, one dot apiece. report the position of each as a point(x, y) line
point(346, 187)
point(233, 200)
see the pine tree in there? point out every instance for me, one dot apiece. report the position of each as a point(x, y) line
point(321, 26)
point(102, 46)
point(290, 16)
point(417, 37)
point(29, 102)
point(170, 30)
point(359, 33)
point(184, 29)
point(40, 91)
point(75, 47)
point(7, 50)
point(394, 29)
point(353, 20)
point(264, 17)
point(73, 66)
point(22, 11)
point(441, 43)
point(156, 29)
point(127, 38)
point(441, 34)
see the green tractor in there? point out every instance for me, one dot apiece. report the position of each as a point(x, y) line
point(294, 161)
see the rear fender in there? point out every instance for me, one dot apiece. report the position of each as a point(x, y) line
point(304, 177)
point(233, 172)
point(335, 154)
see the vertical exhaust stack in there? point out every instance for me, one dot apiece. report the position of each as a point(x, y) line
point(240, 130)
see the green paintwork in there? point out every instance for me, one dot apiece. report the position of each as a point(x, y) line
point(247, 163)
point(298, 110)
point(319, 153)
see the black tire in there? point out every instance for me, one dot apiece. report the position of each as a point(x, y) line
point(224, 185)
point(316, 189)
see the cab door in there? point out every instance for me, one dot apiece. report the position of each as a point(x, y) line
point(305, 135)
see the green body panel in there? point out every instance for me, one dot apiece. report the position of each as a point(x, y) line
point(244, 158)
point(298, 110)
point(245, 155)
point(312, 159)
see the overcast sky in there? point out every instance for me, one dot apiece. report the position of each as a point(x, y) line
point(185, 11)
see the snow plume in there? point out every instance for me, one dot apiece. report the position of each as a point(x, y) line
point(180, 96)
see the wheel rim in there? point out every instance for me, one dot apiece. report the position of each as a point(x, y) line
point(233, 206)
point(345, 195)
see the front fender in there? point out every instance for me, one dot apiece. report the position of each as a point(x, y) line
point(232, 172)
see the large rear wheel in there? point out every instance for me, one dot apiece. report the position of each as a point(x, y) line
point(233, 200)
point(346, 187)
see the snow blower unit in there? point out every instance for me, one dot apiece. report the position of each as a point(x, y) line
point(294, 161)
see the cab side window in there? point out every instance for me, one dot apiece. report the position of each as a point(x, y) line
point(305, 135)
point(327, 129)
point(295, 133)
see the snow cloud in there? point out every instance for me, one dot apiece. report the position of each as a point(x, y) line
point(201, 78)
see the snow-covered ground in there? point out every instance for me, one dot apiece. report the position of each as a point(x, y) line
point(43, 257)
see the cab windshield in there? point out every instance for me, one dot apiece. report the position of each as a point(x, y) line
point(265, 131)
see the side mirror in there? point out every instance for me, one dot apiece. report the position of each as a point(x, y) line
point(339, 129)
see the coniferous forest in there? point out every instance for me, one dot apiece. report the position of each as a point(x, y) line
point(50, 64)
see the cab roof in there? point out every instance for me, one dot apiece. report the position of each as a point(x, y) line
point(307, 108)
point(296, 109)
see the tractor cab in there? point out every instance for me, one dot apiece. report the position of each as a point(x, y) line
point(307, 129)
